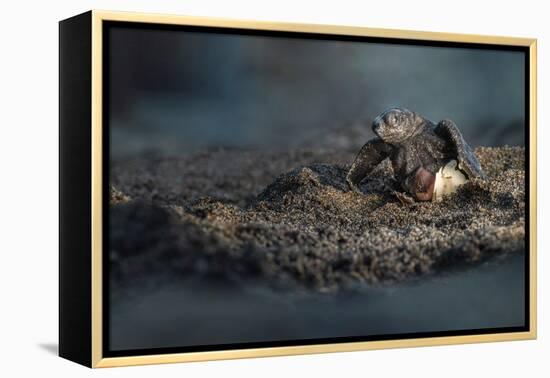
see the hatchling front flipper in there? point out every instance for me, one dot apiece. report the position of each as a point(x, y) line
point(467, 160)
point(370, 155)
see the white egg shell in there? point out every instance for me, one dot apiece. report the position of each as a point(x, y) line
point(447, 180)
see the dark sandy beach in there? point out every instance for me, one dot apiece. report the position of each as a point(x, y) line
point(229, 217)
point(236, 246)
point(289, 219)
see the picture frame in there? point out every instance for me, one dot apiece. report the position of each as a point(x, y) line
point(86, 147)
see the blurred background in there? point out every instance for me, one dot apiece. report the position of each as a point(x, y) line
point(178, 92)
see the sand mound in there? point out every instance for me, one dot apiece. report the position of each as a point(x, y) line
point(232, 214)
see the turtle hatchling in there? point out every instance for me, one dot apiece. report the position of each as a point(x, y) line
point(429, 160)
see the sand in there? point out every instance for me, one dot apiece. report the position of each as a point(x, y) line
point(288, 219)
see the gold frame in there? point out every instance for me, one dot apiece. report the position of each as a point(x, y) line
point(97, 19)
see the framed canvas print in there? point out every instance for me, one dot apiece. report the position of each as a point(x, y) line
point(235, 189)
